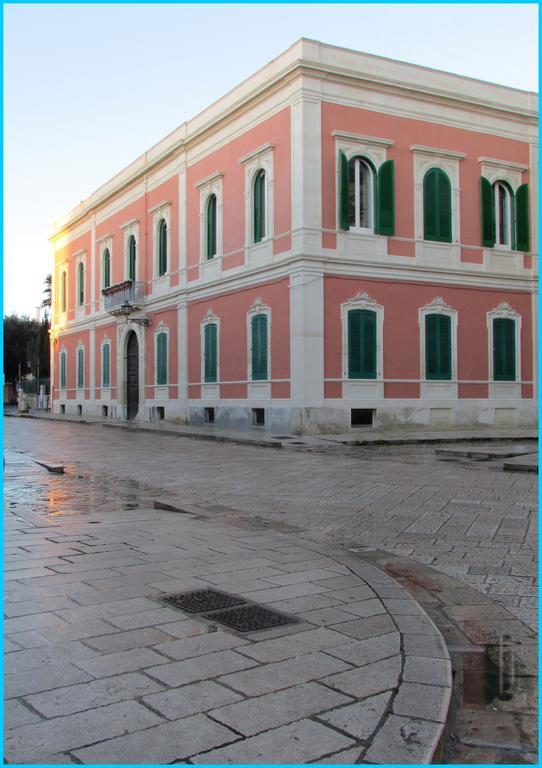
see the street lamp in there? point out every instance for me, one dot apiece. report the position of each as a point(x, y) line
point(126, 310)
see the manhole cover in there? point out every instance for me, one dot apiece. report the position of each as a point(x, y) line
point(200, 600)
point(247, 618)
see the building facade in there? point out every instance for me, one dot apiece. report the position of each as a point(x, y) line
point(341, 240)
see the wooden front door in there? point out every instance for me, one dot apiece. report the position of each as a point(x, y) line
point(132, 376)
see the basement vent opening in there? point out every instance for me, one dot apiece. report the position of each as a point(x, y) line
point(361, 417)
point(200, 600)
point(209, 415)
point(258, 417)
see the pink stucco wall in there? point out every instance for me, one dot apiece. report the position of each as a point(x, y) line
point(232, 309)
point(401, 332)
point(275, 130)
point(404, 132)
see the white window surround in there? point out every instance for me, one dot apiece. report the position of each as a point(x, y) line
point(62, 313)
point(105, 244)
point(433, 388)
point(131, 228)
point(506, 246)
point(63, 351)
point(106, 341)
point(80, 258)
point(495, 170)
point(258, 390)
point(80, 390)
point(210, 185)
point(356, 389)
point(210, 390)
point(159, 212)
point(503, 389)
point(425, 158)
point(162, 328)
point(259, 159)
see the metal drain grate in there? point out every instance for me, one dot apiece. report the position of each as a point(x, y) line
point(199, 600)
point(247, 618)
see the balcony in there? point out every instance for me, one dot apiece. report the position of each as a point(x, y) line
point(128, 292)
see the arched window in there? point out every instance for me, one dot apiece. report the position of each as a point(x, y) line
point(131, 258)
point(504, 349)
point(437, 206)
point(361, 194)
point(106, 268)
point(80, 368)
point(362, 344)
point(504, 202)
point(81, 284)
point(63, 292)
point(211, 227)
point(162, 247)
point(260, 229)
point(210, 353)
point(438, 347)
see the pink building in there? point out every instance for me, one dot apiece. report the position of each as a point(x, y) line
point(340, 240)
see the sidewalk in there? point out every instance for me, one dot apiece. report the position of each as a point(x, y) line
point(415, 435)
point(100, 671)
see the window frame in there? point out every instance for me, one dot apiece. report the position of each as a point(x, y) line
point(442, 177)
point(360, 162)
point(211, 225)
point(80, 367)
point(438, 307)
point(258, 309)
point(162, 241)
point(106, 266)
point(425, 158)
point(161, 330)
point(63, 369)
point(260, 159)
point(362, 301)
point(63, 291)
point(210, 319)
point(105, 343)
point(504, 311)
point(81, 283)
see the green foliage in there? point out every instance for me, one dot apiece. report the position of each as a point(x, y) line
point(25, 341)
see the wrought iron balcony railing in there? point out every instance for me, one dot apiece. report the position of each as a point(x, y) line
point(129, 292)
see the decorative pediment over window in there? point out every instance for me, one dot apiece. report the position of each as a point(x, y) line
point(210, 317)
point(259, 307)
point(438, 305)
point(362, 300)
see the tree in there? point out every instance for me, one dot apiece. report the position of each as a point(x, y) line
point(47, 294)
point(19, 333)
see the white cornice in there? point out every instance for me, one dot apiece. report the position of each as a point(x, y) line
point(159, 206)
point(208, 179)
point(436, 152)
point(259, 151)
point(103, 237)
point(129, 223)
point(358, 137)
point(503, 164)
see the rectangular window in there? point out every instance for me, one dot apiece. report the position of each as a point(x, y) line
point(106, 354)
point(210, 353)
point(504, 349)
point(438, 347)
point(62, 370)
point(361, 344)
point(259, 348)
point(161, 358)
point(80, 368)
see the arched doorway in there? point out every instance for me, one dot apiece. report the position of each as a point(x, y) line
point(132, 376)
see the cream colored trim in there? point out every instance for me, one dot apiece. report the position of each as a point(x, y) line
point(155, 208)
point(209, 179)
point(503, 163)
point(99, 240)
point(362, 138)
point(129, 223)
point(256, 152)
point(436, 152)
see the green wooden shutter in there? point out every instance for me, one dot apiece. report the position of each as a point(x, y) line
point(438, 347)
point(210, 353)
point(504, 349)
point(259, 206)
point(211, 227)
point(132, 258)
point(437, 206)
point(361, 344)
point(343, 191)
point(522, 218)
point(161, 358)
point(62, 370)
point(63, 292)
point(105, 365)
point(385, 209)
point(259, 347)
point(107, 268)
point(162, 248)
point(81, 283)
point(487, 208)
point(80, 369)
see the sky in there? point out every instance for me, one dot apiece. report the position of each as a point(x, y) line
point(88, 88)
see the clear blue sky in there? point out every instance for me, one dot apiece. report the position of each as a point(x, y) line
point(90, 87)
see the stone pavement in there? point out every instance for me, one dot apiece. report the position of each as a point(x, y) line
point(467, 519)
point(98, 670)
